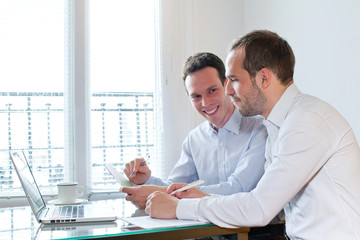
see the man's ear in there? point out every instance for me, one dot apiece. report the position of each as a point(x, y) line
point(264, 78)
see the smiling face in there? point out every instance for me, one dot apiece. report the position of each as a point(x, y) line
point(241, 88)
point(207, 95)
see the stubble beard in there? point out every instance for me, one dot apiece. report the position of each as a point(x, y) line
point(253, 103)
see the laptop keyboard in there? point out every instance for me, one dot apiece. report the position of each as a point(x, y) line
point(68, 212)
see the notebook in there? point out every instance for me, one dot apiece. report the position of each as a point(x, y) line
point(55, 214)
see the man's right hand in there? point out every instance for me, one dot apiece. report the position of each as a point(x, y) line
point(190, 193)
point(138, 195)
point(141, 173)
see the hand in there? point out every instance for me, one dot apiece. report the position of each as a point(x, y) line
point(161, 205)
point(138, 195)
point(190, 193)
point(142, 173)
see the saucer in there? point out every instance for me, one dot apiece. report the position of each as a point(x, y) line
point(77, 201)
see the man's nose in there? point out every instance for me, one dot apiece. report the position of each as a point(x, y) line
point(205, 101)
point(229, 91)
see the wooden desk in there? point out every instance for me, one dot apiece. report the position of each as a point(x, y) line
point(19, 223)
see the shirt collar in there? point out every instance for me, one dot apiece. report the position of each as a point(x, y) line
point(232, 125)
point(282, 107)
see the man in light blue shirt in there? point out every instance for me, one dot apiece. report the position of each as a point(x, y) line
point(226, 151)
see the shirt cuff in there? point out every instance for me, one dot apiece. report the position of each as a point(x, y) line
point(150, 180)
point(188, 208)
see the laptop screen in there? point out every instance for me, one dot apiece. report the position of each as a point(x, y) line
point(28, 182)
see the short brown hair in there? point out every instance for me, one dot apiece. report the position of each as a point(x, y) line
point(265, 49)
point(202, 60)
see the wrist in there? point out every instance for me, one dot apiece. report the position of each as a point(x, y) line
point(163, 189)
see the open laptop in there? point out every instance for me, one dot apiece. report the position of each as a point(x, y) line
point(55, 214)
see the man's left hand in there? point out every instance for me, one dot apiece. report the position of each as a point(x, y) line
point(161, 205)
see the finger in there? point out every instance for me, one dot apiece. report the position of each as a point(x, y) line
point(127, 172)
point(138, 161)
point(148, 209)
point(153, 195)
point(129, 198)
point(128, 190)
point(143, 169)
point(149, 197)
point(179, 195)
point(127, 166)
point(175, 186)
point(132, 165)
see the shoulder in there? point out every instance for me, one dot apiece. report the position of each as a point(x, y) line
point(314, 118)
point(310, 109)
point(200, 130)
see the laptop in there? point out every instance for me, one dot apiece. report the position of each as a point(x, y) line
point(55, 214)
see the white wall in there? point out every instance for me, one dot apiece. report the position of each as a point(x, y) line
point(190, 26)
point(324, 34)
point(325, 37)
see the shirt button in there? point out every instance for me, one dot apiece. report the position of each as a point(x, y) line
point(221, 144)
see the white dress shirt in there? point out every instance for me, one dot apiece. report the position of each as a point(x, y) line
point(313, 172)
point(229, 161)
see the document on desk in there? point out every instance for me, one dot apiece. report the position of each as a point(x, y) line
point(147, 222)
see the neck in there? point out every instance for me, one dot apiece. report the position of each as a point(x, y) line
point(273, 97)
point(226, 118)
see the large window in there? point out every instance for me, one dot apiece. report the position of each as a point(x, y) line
point(32, 90)
point(79, 90)
point(122, 85)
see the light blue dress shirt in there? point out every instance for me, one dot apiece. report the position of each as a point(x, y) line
point(229, 161)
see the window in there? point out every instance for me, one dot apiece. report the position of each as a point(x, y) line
point(32, 89)
point(122, 86)
point(81, 90)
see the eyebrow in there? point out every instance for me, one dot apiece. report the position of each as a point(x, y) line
point(209, 88)
point(212, 87)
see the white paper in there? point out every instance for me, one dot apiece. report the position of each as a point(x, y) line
point(147, 222)
point(120, 178)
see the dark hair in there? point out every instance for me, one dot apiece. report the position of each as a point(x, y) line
point(267, 49)
point(202, 60)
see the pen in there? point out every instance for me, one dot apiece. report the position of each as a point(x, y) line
point(191, 185)
point(141, 164)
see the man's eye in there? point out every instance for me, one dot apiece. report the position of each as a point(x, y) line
point(196, 97)
point(213, 90)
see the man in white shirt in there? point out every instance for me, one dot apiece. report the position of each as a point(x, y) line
point(313, 158)
point(226, 150)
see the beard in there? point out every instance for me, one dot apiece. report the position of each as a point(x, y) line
point(252, 103)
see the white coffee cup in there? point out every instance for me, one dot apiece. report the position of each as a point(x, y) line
point(68, 192)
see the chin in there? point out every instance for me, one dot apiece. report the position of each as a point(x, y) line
point(244, 112)
point(238, 105)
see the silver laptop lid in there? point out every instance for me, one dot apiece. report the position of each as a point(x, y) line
point(28, 183)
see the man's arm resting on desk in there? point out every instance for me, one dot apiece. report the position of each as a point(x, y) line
point(164, 205)
point(138, 195)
